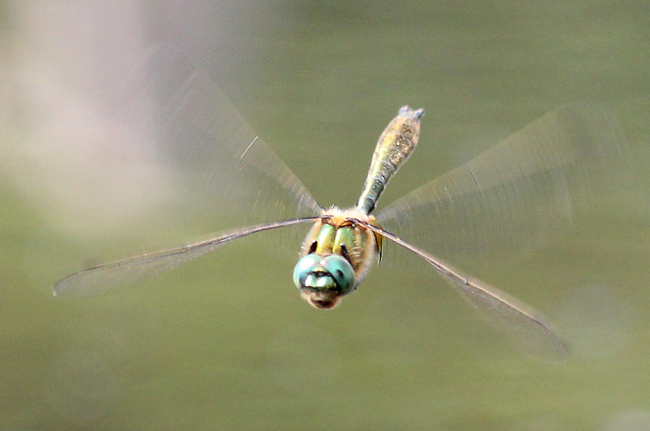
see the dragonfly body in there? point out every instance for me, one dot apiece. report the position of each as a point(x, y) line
point(524, 185)
point(338, 251)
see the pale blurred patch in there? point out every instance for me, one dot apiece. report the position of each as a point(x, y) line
point(71, 148)
point(629, 420)
point(598, 321)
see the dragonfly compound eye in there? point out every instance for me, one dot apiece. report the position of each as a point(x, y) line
point(330, 273)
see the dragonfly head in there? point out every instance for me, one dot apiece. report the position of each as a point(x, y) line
point(323, 280)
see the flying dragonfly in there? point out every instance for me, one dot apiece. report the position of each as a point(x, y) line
point(522, 186)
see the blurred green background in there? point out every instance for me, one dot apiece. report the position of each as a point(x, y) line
point(225, 343)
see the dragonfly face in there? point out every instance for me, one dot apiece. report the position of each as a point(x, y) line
point(336, 256)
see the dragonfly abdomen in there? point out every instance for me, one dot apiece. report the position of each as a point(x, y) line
point(395, 145)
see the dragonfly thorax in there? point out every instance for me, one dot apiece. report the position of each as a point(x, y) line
point(336, 256)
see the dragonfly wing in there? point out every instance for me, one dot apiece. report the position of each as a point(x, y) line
point(525, 326)
point(228, 168)
point(124, 273)
point(528, 186)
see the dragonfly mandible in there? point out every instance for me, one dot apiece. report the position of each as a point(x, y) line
point(526, 182)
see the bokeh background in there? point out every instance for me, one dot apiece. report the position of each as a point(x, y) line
point(225, 343)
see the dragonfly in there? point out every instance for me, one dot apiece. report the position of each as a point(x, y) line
point(522, 186)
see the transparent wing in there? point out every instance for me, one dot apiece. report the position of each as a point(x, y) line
point(125, 273)
point(525, 327)
point(227, 168)
point(520, 191)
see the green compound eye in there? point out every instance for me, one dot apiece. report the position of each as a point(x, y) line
point(341, 270)
point(303, 268)
point(331, 272)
